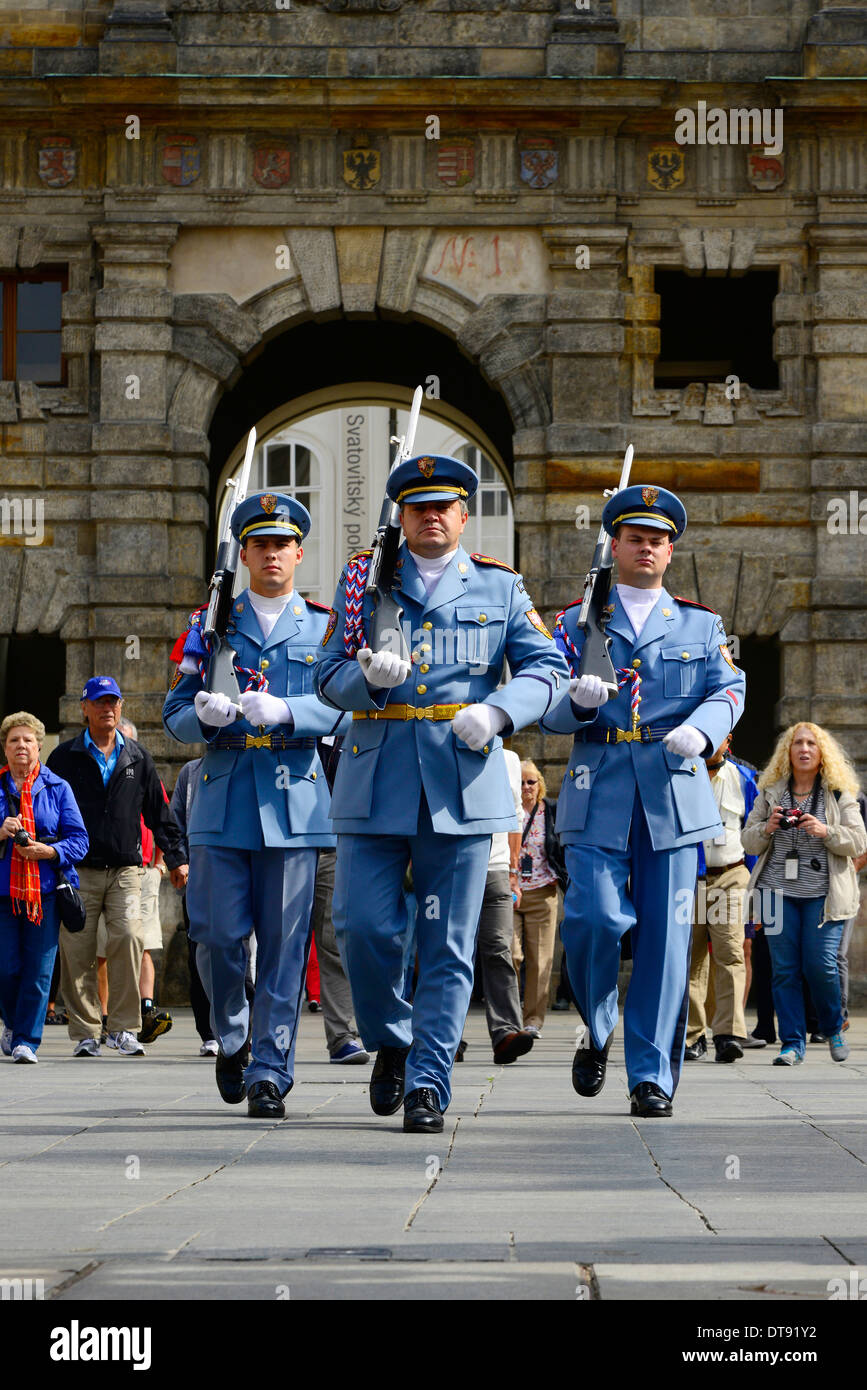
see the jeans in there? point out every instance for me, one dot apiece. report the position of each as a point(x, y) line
point(803, 947)
point(27, 953)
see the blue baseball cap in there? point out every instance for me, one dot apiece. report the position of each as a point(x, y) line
point(101, 685)
point(645, 505)
point(270, 514)
point(431, 478)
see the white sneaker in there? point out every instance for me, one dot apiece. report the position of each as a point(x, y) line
point(6, 1042)
point(87, 1047)
point(127, 1043)
point(209, 1048)
point(23, 1053)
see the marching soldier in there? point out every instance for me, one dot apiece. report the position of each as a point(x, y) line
point(261, 811)
point(422, 777)
point(636, 799)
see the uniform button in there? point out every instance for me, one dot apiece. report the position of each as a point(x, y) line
point(296, 610)
point(355, 747)
point(427, 626)
point(572, 773)
point(263, 664)
point(685, 656)
point(636, 663)
point(483, 617)
point(205, 778)
point(421, 689)
point(692, 769)
point(424, 646)
point(308, 658)
point(486, 749)
point(424, 668)
point(313, 777)
point(666, 612)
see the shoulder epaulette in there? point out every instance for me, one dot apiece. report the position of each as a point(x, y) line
point(323, 607)
point(489, 560)
point(691, 603)
point(358, 554)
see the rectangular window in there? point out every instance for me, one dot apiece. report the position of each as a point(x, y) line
point(714, 327)
point(30, 322)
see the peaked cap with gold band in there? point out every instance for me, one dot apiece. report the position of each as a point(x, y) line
point(270, 514)
point(431, 478)
point(645, 505)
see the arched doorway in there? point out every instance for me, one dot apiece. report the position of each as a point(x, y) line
point(332, 450)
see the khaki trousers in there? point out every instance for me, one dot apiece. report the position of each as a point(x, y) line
point(534, 931)
point(719, 914)
point(117, 894)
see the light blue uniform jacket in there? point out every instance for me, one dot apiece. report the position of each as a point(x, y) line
point(685, 679)
point(248, 798)
point(473, 622)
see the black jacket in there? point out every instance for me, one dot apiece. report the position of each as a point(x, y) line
point(112, 815)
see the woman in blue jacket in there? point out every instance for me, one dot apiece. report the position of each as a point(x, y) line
point(37, 802)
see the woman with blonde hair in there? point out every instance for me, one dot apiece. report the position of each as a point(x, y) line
point(540, 868)
point(41, 831)
point(805, 826)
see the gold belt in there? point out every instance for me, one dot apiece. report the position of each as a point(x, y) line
point(435, 712)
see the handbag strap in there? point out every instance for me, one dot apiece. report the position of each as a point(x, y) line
point(525, 832)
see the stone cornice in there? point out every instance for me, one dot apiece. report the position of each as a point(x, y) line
point(517, 100)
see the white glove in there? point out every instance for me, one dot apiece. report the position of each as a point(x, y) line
point(215, 709)
point(477, 724)
point(261, 708)
point(686, 741)
point(385, 670)
point(588, 691)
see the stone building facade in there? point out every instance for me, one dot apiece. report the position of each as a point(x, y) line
point(252, 202)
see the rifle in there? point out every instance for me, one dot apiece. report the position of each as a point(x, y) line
point(592, 618)
point(221, 667)
point(386, 633)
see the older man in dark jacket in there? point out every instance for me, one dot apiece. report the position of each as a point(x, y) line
point(116, 786)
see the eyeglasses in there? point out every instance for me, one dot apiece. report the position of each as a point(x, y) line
point(529, 782)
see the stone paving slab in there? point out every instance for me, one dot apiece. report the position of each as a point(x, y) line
point(130, 1178)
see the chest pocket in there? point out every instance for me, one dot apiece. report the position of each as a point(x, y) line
point(683, 669)
point(302, 663)
point(479, 632)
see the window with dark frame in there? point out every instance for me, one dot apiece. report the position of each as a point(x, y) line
point(716, 326)
point(30, 323)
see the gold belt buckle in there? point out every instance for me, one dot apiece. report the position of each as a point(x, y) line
point(624, 736)
point(258, 741)
point(421, 711)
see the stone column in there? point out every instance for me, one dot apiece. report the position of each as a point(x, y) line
point(839, 617)
point(148, 532)
point(138, 38)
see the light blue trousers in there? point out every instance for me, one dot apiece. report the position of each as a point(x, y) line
point(657, 906)
point(233, 892)
point(370, 921)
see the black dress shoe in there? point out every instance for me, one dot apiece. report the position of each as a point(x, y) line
point(462, 1047)
point(230, 1075)
point(648, 1101)
point(588, 1069)
point(387, 1080)
point(421, 1112)
point(727, 1048)
point(513, 1046)
point(265, 1102)
point(696, 1050)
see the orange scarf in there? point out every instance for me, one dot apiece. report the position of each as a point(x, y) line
point(24, 883)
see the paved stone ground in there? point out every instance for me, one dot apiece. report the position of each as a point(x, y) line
point(130, 1178)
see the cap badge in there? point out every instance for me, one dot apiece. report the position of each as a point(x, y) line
point(426, 467)
point(650, 495)
point(268, 502)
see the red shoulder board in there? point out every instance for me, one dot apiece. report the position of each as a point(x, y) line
point(691, 603)
point(323, 607)
point(489, 560)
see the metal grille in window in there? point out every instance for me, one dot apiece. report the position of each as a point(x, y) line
point(294, 469)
